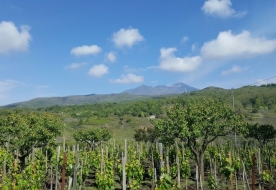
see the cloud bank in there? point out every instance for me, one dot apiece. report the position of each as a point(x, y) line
point(228, 45)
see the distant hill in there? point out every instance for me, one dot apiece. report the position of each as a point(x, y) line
point(142, 92)
point(177, 88)
point(75, 100)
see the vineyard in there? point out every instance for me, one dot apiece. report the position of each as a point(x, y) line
point(132, 165)
point(200, 145)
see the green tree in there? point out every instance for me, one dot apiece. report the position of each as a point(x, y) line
point(92, 137)
point(146, 134)
point(28, 130)
point(197, 125)
point(262, 133)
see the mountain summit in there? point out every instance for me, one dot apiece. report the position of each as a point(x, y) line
point(177, 88)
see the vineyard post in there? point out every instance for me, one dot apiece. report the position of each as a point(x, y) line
point(259, 168)
point(76, 169)
point(245, 175)
point(177, 165)
point(63, 144)
point(124, 171)
point(167, 160)
point(231, 175)
point(154, 173)
point(178, 170)
point(125, 156)
point(81, 172)
point(106, 149)
point(253, 171)
point(63, 171)
point(51, 175)
point(160, 147)
point(58, 153)
point(5, 160)
point(14, 180)
point(70, 183)
point(215, 170)
point(4, 170)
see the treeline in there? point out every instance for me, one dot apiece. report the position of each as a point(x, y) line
point(249, 97)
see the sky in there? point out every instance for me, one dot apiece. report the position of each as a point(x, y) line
point(60, 48)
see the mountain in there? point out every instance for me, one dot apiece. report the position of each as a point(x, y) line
point(142, 92)
point(177, 88)
point(75, 100)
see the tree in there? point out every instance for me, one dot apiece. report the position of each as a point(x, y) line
point(262, 133)
point(92, 137)
point(197, 125)
point(27, 130)
point(145, 134)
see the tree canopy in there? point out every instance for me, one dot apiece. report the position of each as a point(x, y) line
point(92, 136)
point(27, 130)
point(198, 124)
point(262, 133)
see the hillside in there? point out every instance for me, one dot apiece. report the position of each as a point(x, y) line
point(123, 117)
point(139, 93)
point(75, 100)
point(177, 88)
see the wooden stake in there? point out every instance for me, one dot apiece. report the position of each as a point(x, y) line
point(63, 171)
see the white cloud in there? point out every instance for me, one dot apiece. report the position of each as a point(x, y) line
point(129, 78)
point(185, 39)
point(228, 45)
point(98, 70)
point(234, 69)
point(12, 39)
point(193, 47)
point(169, 62)
point(75, 65)
point(221, 8)
point(86, 50)
point(127, 37)
point(111, 56)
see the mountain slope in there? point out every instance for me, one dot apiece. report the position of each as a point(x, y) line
point(75, 100)
point(177, 88)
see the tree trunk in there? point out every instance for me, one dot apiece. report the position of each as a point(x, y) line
point(200, 163)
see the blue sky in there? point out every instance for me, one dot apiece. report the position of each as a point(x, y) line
point(60, 48)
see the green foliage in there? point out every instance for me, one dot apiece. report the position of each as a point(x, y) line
point(197, 125)
point(146, 134)
point(92, 136)
point(28, 130)
point(211, 182)
point(262, 133)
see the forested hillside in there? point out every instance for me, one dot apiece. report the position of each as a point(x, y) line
point(257, 103)
point(196, 129)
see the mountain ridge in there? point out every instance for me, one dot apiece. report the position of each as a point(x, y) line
point(141, 92)
point(177, 88)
